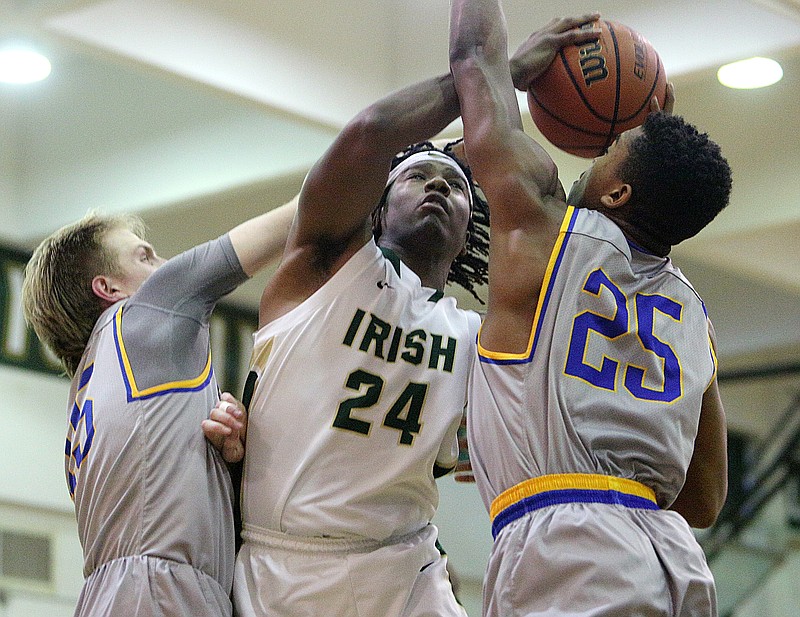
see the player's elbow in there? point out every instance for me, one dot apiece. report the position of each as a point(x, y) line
point(701, 509)
point(713, 505)
point(464, 64)
point(461, 51)
point(702, 517)
point(367, 131)
point(705, 517)
point(367, 125)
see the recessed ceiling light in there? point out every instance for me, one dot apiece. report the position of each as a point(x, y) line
point(22, 66)
point(751, 73)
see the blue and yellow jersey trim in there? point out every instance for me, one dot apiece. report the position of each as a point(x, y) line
point(556, 258)
point(711, 349)
point(133, 391)
point(77, 446)
point(555, 489)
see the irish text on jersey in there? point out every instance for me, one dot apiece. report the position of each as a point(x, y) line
point(391, 343)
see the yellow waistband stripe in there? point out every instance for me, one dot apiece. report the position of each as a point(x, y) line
point(568, 481)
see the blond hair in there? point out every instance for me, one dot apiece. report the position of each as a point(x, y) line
point(57, 297)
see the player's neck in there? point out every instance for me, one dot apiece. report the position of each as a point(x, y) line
point(641, 239)
point(432, 271)
point(645, 241)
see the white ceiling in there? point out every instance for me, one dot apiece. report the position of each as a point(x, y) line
point(200, 113)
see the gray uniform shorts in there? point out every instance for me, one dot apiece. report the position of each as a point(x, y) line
point(151, 587)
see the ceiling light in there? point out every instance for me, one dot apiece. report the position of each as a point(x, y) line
point(751, 73)
point(22, 66)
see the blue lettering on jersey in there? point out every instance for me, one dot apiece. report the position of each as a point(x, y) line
point(663, 367)
point(80, 432)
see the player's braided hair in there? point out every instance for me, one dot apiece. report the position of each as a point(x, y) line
point(471, 268)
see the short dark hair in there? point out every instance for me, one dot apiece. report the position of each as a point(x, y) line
point(680, 179)
point(471, 268)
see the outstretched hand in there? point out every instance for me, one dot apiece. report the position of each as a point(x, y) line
point(226, 428)
point(540, 49)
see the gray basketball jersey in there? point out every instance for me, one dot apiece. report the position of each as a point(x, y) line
point(360, 392)
point(143, 478)
point(613, 378)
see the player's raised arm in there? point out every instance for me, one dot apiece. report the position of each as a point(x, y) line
point(518, 177)
point(345, 184)
point(489, 109)
point(337, 198)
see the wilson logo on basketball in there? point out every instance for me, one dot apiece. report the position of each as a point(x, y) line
point(593, 63)
point(594, 91)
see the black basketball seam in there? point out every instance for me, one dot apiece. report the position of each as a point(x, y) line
point(646, 102)
point(618, 86)
point(574, 127)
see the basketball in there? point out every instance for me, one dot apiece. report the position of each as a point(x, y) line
point(595, 90)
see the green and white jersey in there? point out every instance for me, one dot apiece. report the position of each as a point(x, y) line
point(359, 393)
point(144, 480)
point(612, 381)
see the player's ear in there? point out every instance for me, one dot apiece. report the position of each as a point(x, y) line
point(617, 196)
point(105, 288)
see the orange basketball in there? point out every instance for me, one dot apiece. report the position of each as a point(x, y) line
point(594, 91)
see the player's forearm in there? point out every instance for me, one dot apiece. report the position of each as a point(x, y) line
point(415, 113)
point(477, 27)
point(344, 186)
point(479, 65)
point(260, 241)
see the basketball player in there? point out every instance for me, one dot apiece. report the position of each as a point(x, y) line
point(593, 407)
point(152, 497)
point(361, 367)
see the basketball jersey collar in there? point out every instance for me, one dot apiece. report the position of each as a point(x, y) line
point(394, 259)
point(641, 249)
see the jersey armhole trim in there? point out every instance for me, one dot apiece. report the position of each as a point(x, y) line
point(556, 258)
point(132, 390)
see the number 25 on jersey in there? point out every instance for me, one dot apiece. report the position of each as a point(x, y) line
point(646, 307)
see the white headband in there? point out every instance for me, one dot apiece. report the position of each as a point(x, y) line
point(430, 155)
